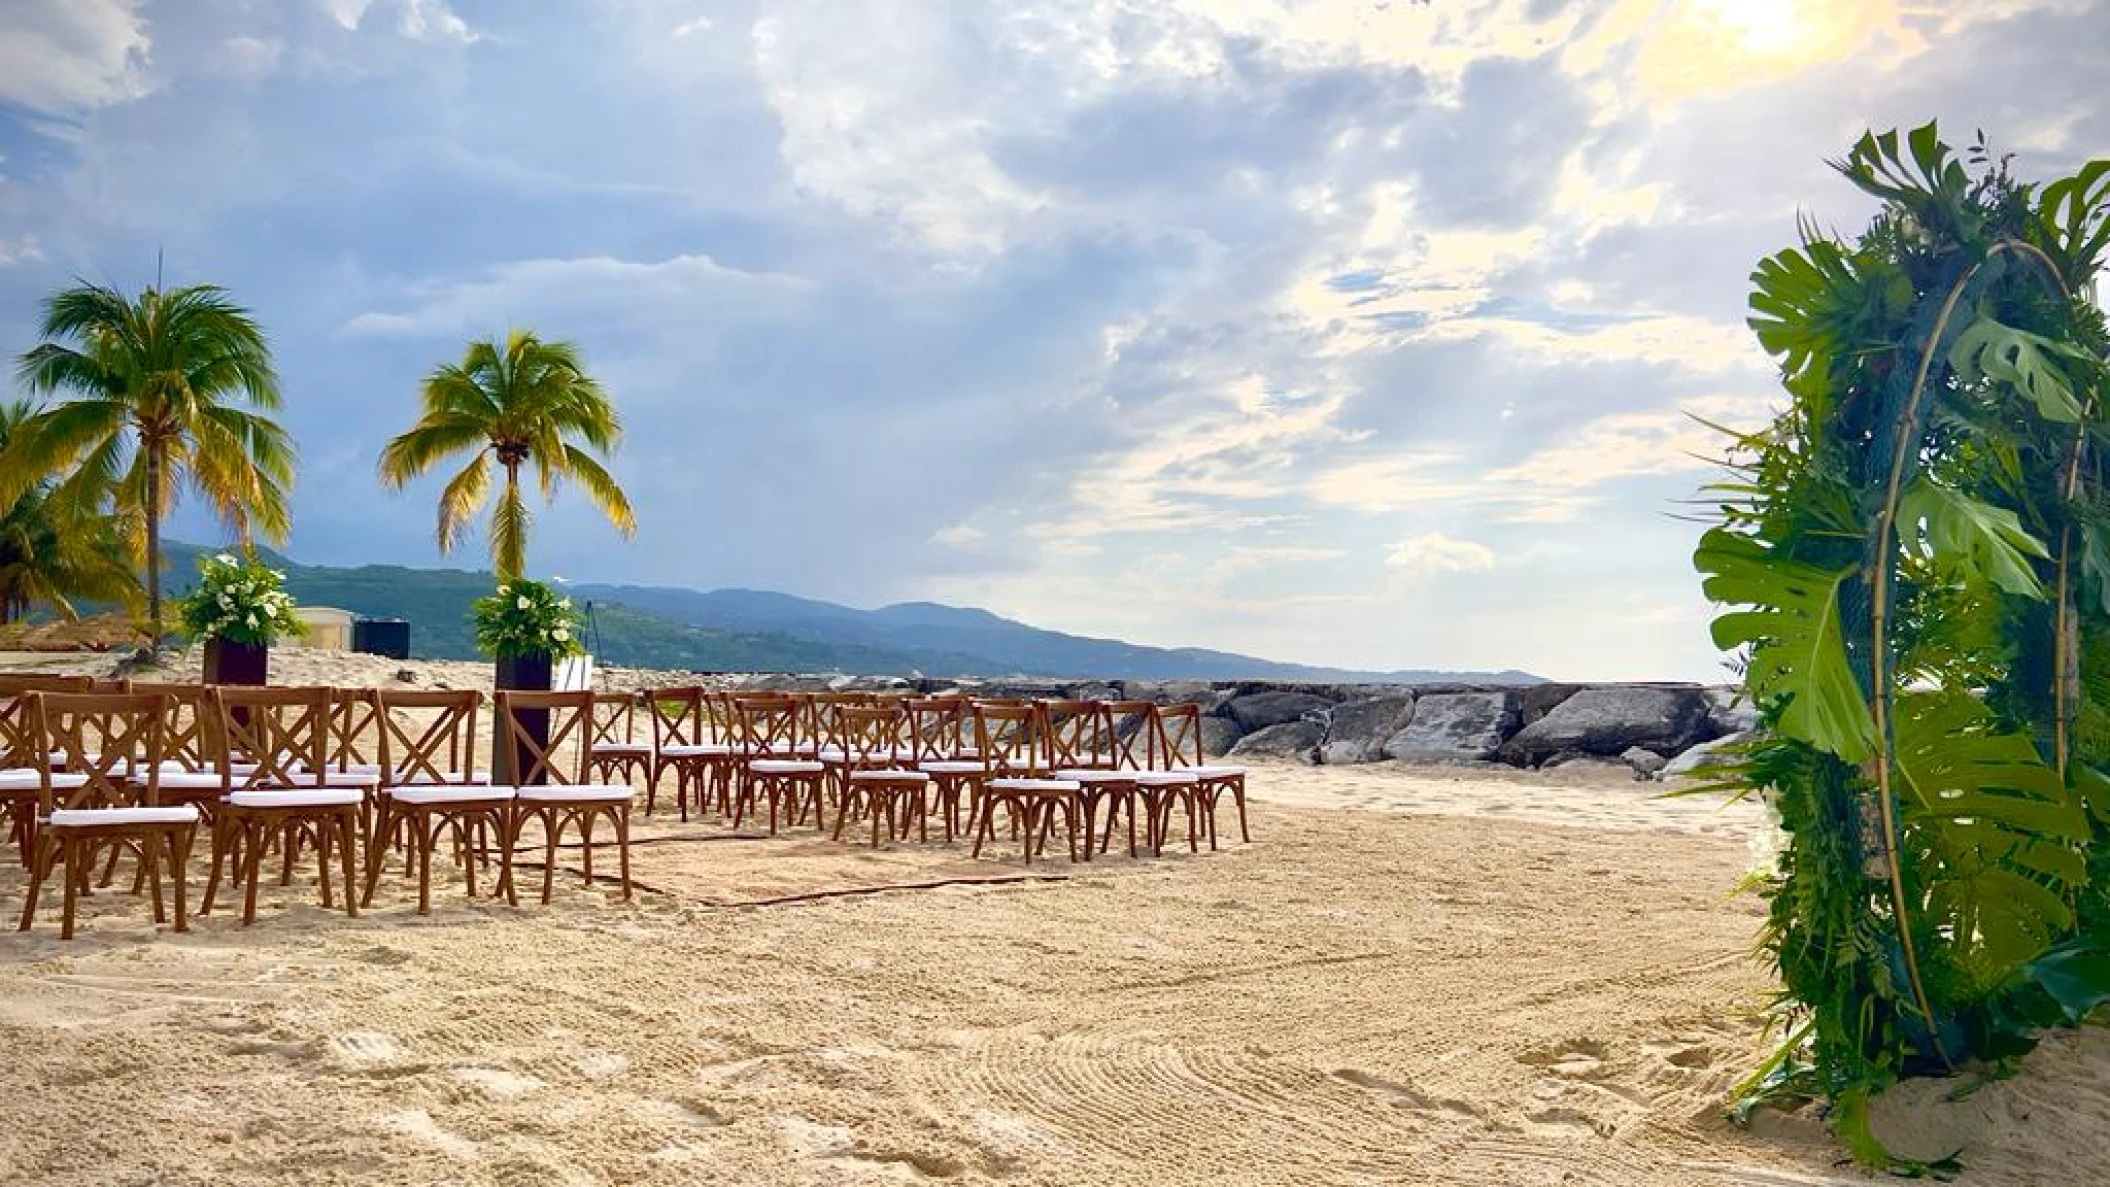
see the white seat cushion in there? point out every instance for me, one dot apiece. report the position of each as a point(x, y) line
point(96, 817)
point(368, 769)
point(1165, 778)
point(894, 776)
point(412, 777)
point(697, 750)
point(622, 747)
point(1050, 785)
point(574, 793)
point(26, 779)
point(455, 794)
point(312, 798)
point(1091, 776)
point(191, 781)
point(952, 768)
point(785, 766)
point(1207, 772)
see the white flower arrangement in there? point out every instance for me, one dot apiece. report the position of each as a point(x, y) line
point(526, 618)
point(241, 601)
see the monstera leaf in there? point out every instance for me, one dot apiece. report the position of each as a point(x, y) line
point(1798, 650)
point(2027, 363)
point(1998, 832)
point(2073, 220)
point(1987, 539)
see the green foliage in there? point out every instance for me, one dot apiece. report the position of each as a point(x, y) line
point(527, 618)
point(167, 392)
point(51, 558)
point(1914, 561)
point(242, 601)
point(528, 404)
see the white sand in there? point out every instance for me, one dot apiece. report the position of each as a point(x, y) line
point(1410, 977)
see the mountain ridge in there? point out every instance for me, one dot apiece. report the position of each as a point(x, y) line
point(728, 630)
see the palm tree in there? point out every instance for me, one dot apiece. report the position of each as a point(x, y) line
point(521, 404)
point(47, 559)
point(166, 391)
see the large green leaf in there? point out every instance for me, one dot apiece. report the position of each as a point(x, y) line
point(1798, 650)
point(2027, 363)
point(1998, 831)
point(1990, 541)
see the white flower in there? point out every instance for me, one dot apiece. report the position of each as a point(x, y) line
point(224, 559)
point(523, 602)
point(561, 635)
point(252, 622)
point(564, 603)
point(504, 590)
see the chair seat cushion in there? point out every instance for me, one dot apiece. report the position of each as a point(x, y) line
point(622, 749)
point(893, 776)
point(104, 817)
point(451, 794)
point(1166, 778)
point(696, 750)
point(191, 781)
point(1211, 772)
point(323, 797)
point(371, 771)
point(419, 777)
point(952, 768)
point(27, 779)
point(1094, 776)
point(785, 766)
point(574, 793)
point(1034, 785)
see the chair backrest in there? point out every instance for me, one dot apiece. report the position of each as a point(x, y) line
point(1132, 734)
point(1077, 735)
point(427, 735)
point(681, 716)
point(17, 745)
point(1178, 736)
point(870, 735)
point(767, 725)
point(186, 723)
point(355, 730)
point(285, 732)
point(934, 728)
point(614, 717)
point(1009, 737)
point(537, 760)
point(113, 739)
point(820, 726)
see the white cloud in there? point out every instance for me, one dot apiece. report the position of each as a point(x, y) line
point(958, 535)
point(68, 56)
point(251, 57)
point(572, 296)
point(22, 250)
point(1438, 553)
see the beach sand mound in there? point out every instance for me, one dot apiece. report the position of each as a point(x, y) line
point(1443, 977)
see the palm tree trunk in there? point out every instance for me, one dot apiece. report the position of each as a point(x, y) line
point(512, 549)
point(154, 545)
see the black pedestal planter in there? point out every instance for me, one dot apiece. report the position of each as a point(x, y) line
point(522, 673)
point(228, 662)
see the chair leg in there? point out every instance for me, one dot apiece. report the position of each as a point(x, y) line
point(150, 866)
point(74, 852)
point(550, 828)
point(426, 834)
point(39, 869)
point(180, 841)
point(253, 838)
point(324, 842)
point(583, 821)
point(506, 883)
point(622, 846)
point(346, 826)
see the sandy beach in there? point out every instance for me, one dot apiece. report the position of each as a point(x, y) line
point(1411, 976)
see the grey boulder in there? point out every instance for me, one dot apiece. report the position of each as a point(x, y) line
point(1454, 726)
point(1357, 731)
point(1606, 721)
point(1259, 710)
point(1289, 739)
point(1703, 756)
point(1728, 712)
point(1644, 761)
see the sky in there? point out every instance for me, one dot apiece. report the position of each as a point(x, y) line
point(1350, 332)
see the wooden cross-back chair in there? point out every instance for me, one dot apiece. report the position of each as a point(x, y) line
point(1013, 744)
point(19, 751)
point(690, 737)
point(1179, 749)
point(354, 734)
point(555, 791)
point(107, 796)
point(617, 751)
point(934, 729)
point(288, 797)
point(872, 776)
point(772, 765)
point(433, 788)
point(1085, 746)
point(817, 727)
point(185, 727)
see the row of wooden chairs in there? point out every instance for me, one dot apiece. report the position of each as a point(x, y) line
point(85, 774)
